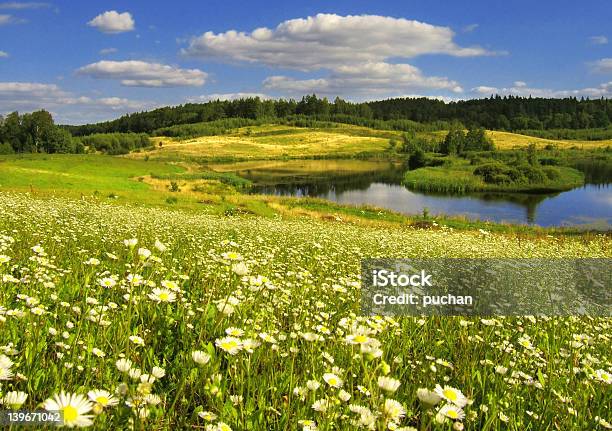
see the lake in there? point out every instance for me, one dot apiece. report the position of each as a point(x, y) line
point(358, 182)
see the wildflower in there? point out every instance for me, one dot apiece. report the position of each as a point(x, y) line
point(144, 253)
point(343, 395)
point(103, 398)
point(199, 357)
point(131, 243)
point(207, 416)
point(452, 412)
point(158, 372)
point(394, 410)
point(234, 332)
point(108, 282)
point(38, 250)
point(75, 409)
point(313, 385)
point(5, 368)
point(333, 380)
point(320, 405)
point(603, 376)
point(161, 247)
point(4, 259)
point(452, 395)
point(231, 255)
point(231, 345)
point(135, 279)
point(14, 399)
point(162, 295)
point(388, 384)
point(123, 365)
point(137, 340)
point(427, 397)
point(240, 269)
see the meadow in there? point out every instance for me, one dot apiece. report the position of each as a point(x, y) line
point(149, 292)
point(271, 142)
point(151, 318)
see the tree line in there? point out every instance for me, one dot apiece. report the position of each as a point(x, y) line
point(510, 113)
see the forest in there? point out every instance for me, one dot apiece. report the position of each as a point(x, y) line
point(568, 118)
point(509, 113)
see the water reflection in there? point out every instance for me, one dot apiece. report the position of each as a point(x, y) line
point(379, 184)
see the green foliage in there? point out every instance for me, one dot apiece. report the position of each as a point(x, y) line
point(417, 160)
point(174, 187)
point(599, 134)
point(6, 148)
point(405, 114)
point(116, 143)
point(34, 133)
point(458, 142)
point(212, 128)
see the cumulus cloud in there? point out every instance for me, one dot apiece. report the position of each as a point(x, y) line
point(66, 107)
point(357, 50)
point(369, 79)
point(23, 5)
point(134, 73)
point(602, 66)
point(603, 90)
point(106, 51)
point(598, 40)
point(113, 22)
point(328, 41)
point(3, 54)
point(226, 96)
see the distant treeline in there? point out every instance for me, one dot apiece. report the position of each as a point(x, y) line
point(498, 113)
point(573, 134)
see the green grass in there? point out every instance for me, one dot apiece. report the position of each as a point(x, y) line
point(64, 331)
point(457, 176)
point(72, 174)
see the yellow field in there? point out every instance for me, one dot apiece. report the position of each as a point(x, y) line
point(507, 140)
point(269, 142)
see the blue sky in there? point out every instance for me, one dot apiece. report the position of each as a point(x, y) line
point(91, 61)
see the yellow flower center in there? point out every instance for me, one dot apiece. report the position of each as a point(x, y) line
point(70, 414)
point(229, 345)
point(360, 339)
point(333, 381)
point(452, 414)
point(451, 395)
point(164, 296)
point(102, 400)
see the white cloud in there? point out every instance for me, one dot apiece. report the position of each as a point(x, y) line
point(3, 54)
point(602, 66)
point(329, 41)
point(226, 96)
point(469, 28)
point(106, 51)
point(134, 73)
point(603, 90)
point(369, 79)
point(66, 107)
point(598, 40)
point(357, 50)
point(24, 5)
point(113, 22)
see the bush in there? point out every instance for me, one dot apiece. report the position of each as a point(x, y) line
point(6, 148)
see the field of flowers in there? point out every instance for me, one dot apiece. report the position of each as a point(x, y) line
point(156, 319)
